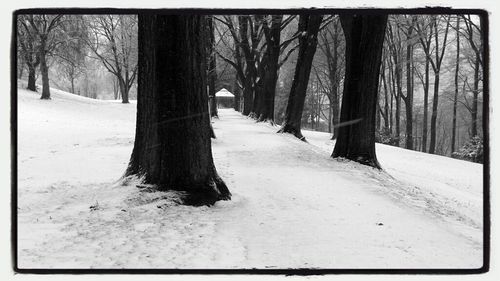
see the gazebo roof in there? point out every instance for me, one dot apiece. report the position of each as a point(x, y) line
point(224, 93)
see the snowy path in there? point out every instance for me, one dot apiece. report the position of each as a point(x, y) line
point(292, 206)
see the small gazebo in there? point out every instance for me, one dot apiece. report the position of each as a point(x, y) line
point(225, 99)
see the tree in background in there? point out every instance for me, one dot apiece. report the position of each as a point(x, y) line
point(455, 98)
point(212, 66)
point(425, 32)
point(364, 36)
point(172, 148)
point(72, 50)
point(45, 33)
point(28, 49)
point(331, 46)
point(439, 49)
point(309, 26)
point(113, 41)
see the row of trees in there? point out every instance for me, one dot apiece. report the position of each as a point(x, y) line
point(75, 48)
point(430, 79)
point(430, 84)
point(177, 58)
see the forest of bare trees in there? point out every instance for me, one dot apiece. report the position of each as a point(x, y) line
point(291, 70)
point(429, 90)
point(89, 55)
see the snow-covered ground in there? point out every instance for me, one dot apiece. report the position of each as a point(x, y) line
point(293, 206)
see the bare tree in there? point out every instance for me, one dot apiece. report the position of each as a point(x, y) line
point(436, 24)
point(308, 27)
point(172, 150)
point(28, 49)
point(356, 140)
point(43, 29)
point(455, 98)
point(113, 41)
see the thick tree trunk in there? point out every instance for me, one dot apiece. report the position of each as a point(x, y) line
point(269, 73)
point(247, 98)
point(435, 100)
point(250, 98)
point(31, 79)
point(44, 69)
point(307, 48)
point(237, 95)
point(257, 97)
point(172, 147)
point(364, 40)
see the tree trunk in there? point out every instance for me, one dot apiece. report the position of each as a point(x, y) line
point(247, 98)
point(364, 40)
point(269, 73)
point(237, 95)
point(31, 79)
point(21, 71)
point(408, 100)
point(435, 100)
point(455, 99)
point(250, 98)
point(426, 106)
point(307, 48)
point(475, 96)
point(386, 103)
point(399, 93)
point(44, 69)
point(123, 90)
point(212, 68)
point(172, 148)
point(72, 85)
point(335, 113)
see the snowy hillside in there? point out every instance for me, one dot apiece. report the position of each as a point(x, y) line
point(293, 206)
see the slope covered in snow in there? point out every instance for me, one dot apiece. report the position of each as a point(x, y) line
point(292, 207)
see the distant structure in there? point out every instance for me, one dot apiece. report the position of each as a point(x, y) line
point(225, 99)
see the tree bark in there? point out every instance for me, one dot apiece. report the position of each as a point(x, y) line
point(237, 95)
point(31, 79)
point(212, 68)
point(44, 69)
point(124, 89)
point(309, 24)
point(269, 71)
point(475, 96)
point(386, 103)
point(435, 101)
point(364, 40)
point(408, 99)
point(172, 148)
point(426, 106)
point(247, 98)
point(250, 98)
point(455, 98)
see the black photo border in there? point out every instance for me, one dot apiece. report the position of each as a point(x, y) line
point(484, 18)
